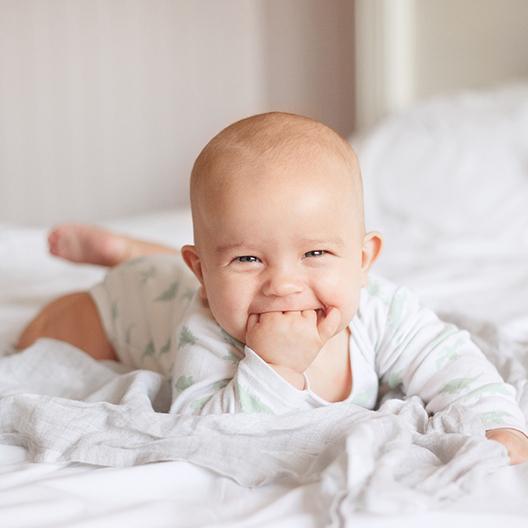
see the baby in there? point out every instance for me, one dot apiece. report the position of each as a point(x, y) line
point(284, 315)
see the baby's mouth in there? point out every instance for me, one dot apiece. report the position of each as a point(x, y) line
point(319, 310)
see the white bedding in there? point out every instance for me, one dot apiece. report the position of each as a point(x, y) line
point(475, 274)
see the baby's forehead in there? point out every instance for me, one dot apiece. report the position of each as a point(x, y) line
point(296, 165)
point(272, 154)
point(264, 198)
point(276, 183)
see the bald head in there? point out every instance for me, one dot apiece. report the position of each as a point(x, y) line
point(235, 157)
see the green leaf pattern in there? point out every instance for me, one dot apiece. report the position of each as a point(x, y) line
point(186, 338)
point(115, 311)
point(148, 274)
point(396, 309)
point(448, 354)
point(166, 347)
point(134, 262)
point(230, 340)
point(232, 357)
point(189, 294)
point(458, 385)
point(169, 294)
point(395, 379)
point(198, 405)
point(495, 418)
point(182, 383)
point(149, 350)
point(250, 403)
point(218, 385)
point(362, 398)
point(128, 333)
point(491, 389)
point(375, 289)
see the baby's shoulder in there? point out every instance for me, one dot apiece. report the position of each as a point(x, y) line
point(379, 291)
point(381, 300)
point(199, 322)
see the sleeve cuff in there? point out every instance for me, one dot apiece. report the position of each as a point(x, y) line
point(255, 373)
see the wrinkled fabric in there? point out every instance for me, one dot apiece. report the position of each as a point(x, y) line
point(63, 406)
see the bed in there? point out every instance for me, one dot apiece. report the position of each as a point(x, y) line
point(447, 184)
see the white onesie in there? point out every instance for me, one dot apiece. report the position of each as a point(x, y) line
point(154, 318)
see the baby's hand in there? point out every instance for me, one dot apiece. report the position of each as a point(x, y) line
point(515, 442)
point(291, 339)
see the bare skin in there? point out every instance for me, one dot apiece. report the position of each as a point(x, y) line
point(88, 244)
point(74, 319)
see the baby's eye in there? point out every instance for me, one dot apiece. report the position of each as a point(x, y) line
point(315, 253)
point(247, 258)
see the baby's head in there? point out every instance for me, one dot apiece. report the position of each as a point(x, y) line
point(278, 221)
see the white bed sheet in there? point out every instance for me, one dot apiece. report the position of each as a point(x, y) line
point(475, 265)
point(173, 493)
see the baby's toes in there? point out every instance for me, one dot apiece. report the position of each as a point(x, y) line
point(53, 240)
point(66, 241)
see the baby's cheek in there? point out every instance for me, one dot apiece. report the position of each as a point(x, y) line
point(230, 312)
point(341, 293)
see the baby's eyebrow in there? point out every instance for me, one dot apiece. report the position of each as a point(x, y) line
point(334, 241)
point(230, 247)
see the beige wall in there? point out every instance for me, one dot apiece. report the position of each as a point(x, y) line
point(104, 104)
point(469, 44)
point(309, 59)
point(409, 50)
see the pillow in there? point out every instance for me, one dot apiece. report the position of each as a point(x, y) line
point(453, 167)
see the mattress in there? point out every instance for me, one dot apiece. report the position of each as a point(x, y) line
point(455, 223)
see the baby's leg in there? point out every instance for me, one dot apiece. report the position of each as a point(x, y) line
point(94, 245)
point(73, 318)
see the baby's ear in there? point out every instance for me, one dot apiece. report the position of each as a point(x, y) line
point(372, 244)
point(192, 259)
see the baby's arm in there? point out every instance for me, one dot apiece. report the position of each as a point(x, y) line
point(290, 341)
point(215, 374)
point(212, 376)
point(515, 442)
point(442, 365)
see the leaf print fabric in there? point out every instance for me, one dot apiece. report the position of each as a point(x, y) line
point(249, 402)
point(186, 338)
point(439, 363)
point(182, 383)
point(170, 293)
point(458, 385)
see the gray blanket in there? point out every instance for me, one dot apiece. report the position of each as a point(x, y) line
point(63, 406)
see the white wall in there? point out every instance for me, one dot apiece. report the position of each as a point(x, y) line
point(104, 104)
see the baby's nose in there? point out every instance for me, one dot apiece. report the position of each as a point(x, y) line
point(281, 284)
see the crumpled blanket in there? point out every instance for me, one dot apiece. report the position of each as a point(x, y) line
point(63, 406)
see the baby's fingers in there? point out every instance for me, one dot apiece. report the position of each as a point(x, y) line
point(252, 320)
point(310, 315)
point(329, 323)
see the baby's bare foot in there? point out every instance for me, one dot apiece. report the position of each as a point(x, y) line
point(88, 245)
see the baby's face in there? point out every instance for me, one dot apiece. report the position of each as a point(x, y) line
point(282, 239)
